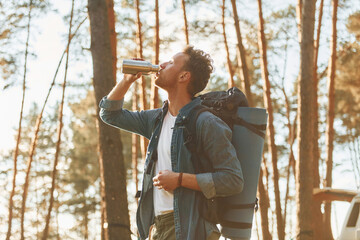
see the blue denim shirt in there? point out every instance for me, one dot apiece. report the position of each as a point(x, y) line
point(214, 136)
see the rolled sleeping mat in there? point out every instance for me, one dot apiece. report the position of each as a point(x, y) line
point(249, 142)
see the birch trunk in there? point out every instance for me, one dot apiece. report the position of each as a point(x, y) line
point(16, 152)
point(270, 129)
point(115, 213)
point(330, 119)
point(241, 54)
point(304, 185)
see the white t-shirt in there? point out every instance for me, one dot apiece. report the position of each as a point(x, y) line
point(163, 200)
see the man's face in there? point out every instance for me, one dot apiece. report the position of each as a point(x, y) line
point(170, 71)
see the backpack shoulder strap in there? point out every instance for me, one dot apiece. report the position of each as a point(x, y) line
point(190, 127)
point(189, 132)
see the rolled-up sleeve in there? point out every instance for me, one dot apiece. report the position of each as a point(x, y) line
point(111, 105)
point(227, 177)
point(139, 122)
point(206, 184)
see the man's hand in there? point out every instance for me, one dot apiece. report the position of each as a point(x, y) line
point(119, 91)
point(130, 78)
point(166, 180)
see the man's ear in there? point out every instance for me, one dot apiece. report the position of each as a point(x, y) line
point(185, 76)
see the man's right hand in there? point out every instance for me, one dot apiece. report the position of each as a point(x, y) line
point(119, 91)
point(130, 78)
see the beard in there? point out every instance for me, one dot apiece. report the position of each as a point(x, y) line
point(165, 83)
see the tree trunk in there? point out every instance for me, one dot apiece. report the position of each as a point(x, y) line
point(264, 208)
point(144, 141)
point(16, 152)
point(139, 43)
point(154, 90)
point(59, 131)
point(270, 129)
point(304, 171)
point(85, 217)
point(111, 22)
point(231, 82)
point(316, 206)
point(291, 139)
point(330, 119)
point(185, 22)
point(241, 54)
point(135, 141)
point(35, 138)
point(112, 170)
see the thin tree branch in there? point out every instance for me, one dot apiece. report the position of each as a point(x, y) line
point(16, 152)
point(59, 131)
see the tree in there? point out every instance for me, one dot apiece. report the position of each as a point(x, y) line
point(139, 41)
point(330, 119)
point(112, 172)
point(135, 142)
point(264, 207)
point(16, 152)
point(154, 90)
point(318, 216)
point(59, 131)
point(231, 82)
point(304, 181)
point(241, 54)
point(34, 140)
point(111, 21)
point(183, 5)
point(270, 129)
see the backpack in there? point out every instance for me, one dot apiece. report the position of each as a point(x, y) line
point(225, 105)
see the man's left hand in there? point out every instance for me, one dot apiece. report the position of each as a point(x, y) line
point(167, 180)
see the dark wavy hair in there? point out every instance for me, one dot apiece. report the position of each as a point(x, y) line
point(200, 66)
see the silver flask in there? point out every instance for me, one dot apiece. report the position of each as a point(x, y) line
point(136, 66)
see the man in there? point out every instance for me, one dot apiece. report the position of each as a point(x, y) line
point(172, 192)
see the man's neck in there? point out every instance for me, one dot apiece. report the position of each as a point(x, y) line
point(177, 101)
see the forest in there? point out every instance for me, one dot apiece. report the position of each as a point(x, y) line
point(64, 174)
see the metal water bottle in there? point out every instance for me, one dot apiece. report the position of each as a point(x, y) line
point(136, 66)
